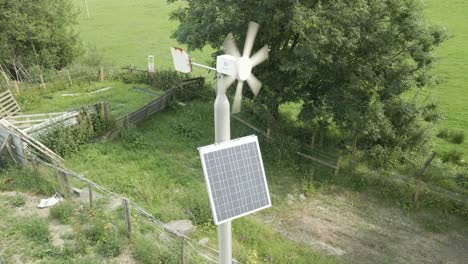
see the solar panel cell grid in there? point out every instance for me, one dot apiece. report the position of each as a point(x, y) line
point(235, 178)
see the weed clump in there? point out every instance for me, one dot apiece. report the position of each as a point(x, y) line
point(62, 212)
point(106, 237)
point(36, 229)
point(456, 137)
point(18, 200)
point(147, 252)
point(453, 156)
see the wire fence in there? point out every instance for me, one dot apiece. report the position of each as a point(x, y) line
point(179, 247)
point(53, 80)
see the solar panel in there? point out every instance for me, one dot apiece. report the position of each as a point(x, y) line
point(235, 178)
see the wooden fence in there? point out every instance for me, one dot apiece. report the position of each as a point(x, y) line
point(8, 104)
point(149, 109)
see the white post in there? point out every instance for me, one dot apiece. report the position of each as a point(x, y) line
point(86, 7)
point(150, 63)
point(223, 133)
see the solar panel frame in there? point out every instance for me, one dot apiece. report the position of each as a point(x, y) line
point(226, 146)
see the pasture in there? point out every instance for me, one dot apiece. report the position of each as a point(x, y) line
point(127, 31)
point(452, 68)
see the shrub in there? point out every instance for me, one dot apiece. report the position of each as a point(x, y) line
point(462, 179)
point(457, 137)
point(62, 212)
point(36, 229)
point(453, 156)
point(106, 237)
point(198, 209)
point(110, 245)
point(443, 133)
point(131, 136)
point(66, 140)
point(164, 80)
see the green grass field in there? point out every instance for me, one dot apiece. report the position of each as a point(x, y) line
point(123, 98)
point(452, 69)
point(161, 171)
point(127, 31)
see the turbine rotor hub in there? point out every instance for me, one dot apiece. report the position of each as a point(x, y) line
point(244, 68)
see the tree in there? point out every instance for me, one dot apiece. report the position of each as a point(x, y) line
point(37, 33)
point(346, 60)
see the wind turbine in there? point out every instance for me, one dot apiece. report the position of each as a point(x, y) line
point(230, 67)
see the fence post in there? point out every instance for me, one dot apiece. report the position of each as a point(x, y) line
point(63, 182)
point(182, 249)
point(105, 110)
point(43, 85)
point(101, 73)
point(69, 78)
point(35, 168)
point(338, 163)
point(86, 7)
point(7, 80)
point(419, 176)
point(90, 188)
point(17, 142)
point(15, 84)
point(126, 208)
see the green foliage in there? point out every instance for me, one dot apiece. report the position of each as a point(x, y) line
point(346, 61)
point(453, 156)
point(106, 237)
point(17, 178)
point(458, 137)
point(18, 200)
point(62, 212)
point(131, 136)
point(462, 179)
point(197, 207)
point(66, 140)
point(308, 187)
point(36, 229)
point(37, 33)
point(444, 133)
point(455, 137)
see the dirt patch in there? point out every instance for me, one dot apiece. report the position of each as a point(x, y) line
point(358, 229)
point(126, 257)
point(58, 232)
point(29, 209)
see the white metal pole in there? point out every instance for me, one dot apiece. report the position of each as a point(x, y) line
point(86, 7)
point(223, 133)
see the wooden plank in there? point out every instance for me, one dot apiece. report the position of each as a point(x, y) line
point(14, 121)
point(4, 114)
point(6, 100)
point(38, 115)
point(5, 93)
point(251, 126)
point(317, 160)
point(52, 121)
point(31, 141)
point(5, 142)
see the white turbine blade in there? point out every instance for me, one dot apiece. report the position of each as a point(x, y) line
point(236, 105)
point(260, 56)
point(250, 38)
point(230, 47)
point(254, 84)
point(228, 80)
